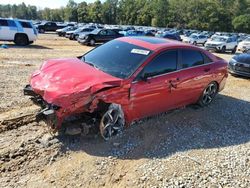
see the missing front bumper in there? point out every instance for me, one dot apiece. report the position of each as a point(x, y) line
point(47, 112)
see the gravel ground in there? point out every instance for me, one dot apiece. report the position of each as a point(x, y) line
point(188, 147)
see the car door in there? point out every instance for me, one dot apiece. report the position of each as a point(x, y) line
point(196, 72)
point(230, 43)
point(154, 89)
point(111, 35)
point(101, 36)
point(7, 29)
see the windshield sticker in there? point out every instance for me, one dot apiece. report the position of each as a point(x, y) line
point(141, 52)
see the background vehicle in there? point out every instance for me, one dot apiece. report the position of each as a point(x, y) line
point(49, 26)
point(173, 36)
point(99, 36)
point(244, 45)
point(62, 32)
point(73, 35)
point(127, 79)
point(222, 44)
point(21, 32)
point(240, 65)
point(195, 39)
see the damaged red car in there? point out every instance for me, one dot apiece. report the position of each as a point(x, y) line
point(125, 80)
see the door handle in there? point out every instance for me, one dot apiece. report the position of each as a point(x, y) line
point(207, 69)
point(173, 83)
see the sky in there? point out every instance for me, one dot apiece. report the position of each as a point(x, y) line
point(43, 3)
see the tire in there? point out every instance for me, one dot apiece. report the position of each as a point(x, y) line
point(234, 50)
point(223, 49)
point(92, 42)
point(204, 43)
point(208, 94)
point(112, 122)
point(21, 40)
point(41, 31)
point(195, 43)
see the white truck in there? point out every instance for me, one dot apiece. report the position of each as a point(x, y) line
point(21, 32)
point(222, 44)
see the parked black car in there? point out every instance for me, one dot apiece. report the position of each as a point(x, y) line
point(49, 26)
point(240, 65)
point(98, 36)
point(173, 36)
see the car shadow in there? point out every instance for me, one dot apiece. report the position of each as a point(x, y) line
point(31, 46)
point(226, 122)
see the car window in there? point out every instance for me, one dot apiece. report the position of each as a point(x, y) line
point(229, 40)
point(163, 63)
point(26, 24)
point(3, 23)
point(103, 32)
point(191, 58)
point(110, 32)
point(11, 23)
point(206, 59)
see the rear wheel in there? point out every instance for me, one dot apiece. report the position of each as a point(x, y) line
point(21, 40)
point(92, 42)
point(41, 31)
point(208, 94)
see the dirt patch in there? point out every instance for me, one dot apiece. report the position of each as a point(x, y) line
point(189, 147)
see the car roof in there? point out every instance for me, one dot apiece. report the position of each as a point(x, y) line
point(152, 43)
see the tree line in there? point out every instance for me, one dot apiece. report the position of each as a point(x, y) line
point(212, 15)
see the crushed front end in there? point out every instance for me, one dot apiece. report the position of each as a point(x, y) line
point(47, 112)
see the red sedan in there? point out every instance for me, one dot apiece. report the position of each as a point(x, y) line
point(125, 80)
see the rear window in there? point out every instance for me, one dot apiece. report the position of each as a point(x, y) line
point(25, 24)
point(191, 58)
point(3, 23)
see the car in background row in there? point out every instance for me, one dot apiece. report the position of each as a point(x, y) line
point(172, 36)
point(98, 36)
point(244, 45)
point(222, 44)
point(50, 26)
point(73, 35)
point(21, 32)
point(62, 32)
point(125, 80)
point(195, 39)
point(240, 65)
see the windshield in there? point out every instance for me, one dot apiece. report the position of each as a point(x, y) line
point(247, 39)
point(219, 39)
point(117, 58)
point(96, 31)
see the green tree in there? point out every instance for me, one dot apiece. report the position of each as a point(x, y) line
point(242, 23)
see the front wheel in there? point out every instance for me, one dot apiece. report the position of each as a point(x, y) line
point(112, 122)
point(234, 50)
point(208, 94)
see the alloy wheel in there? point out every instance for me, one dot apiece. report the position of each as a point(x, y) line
point(209, 94)
point(111, 123)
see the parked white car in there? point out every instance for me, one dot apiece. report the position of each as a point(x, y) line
point(21, 32)
point(222, 44)
point(244, 45)
point(195, 39)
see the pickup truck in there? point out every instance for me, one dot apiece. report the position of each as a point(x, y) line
point(49, 26)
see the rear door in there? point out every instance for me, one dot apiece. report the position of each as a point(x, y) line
point(8, 29)
point(196, 72)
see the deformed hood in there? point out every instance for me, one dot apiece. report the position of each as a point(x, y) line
point(63, 77)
